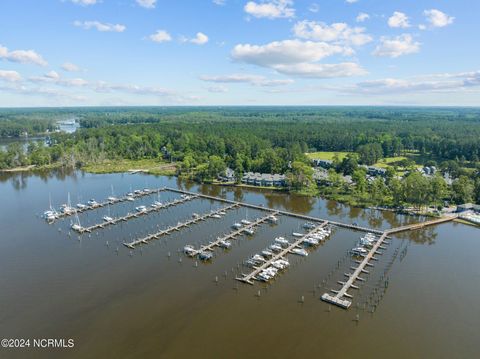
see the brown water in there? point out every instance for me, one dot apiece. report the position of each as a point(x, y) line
point(143, 304)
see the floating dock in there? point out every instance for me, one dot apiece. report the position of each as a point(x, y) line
point(232, 235)
point(133, 215)
point(177, 227)
point(75, 211)
point(248, 278)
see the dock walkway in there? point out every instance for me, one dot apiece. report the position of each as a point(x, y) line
point(248, 278)
point(177, 227)
point(133, 215)
point(232, 235)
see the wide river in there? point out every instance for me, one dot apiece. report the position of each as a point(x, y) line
point(419, 300)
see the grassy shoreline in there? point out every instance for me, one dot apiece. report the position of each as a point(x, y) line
point(150, 166)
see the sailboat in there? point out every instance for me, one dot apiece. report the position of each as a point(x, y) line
point(51, 214)
point(108, 218)
point(76, 224)
point(246, 221)
point(112, 198)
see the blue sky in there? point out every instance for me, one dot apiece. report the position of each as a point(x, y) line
point(239, 52)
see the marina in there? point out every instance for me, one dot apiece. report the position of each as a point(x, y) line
point(177, 227)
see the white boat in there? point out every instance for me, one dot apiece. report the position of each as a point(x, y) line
point(258, 258)
point(249, 231)
point(81, 206)
point(146, 190)
point(216, 215)
point(66, 209)
point(245, 221)
point(222, 213)
point(276, 247)
point(225, 244)
point(76, 227)
point(311, 241)
point(107, 218)
point(112, 199)
point(189, 250)
point(359, 251)
point(272, 219)
point(137, 192)
point(296, 234)
point(267, 253)
point(130, 198)
point(205, 255)
point(141, 208)
point(92, 203)
point(280, 263)
point(282, 241)
point(309, 225)
point(130, 194)
point(237, 225)
point(366, 242)
point(300, 251)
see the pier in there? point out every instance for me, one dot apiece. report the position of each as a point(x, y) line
point(133, 215)
point(232, 235)
point(248, 278)
point(177, 227)
point(286, 213)
point(415, 226)
point(75, 211)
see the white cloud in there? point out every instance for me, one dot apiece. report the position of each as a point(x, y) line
point(70, 67)
point(85, 2)
point(425, 83)
point(255, 80)
point(53, 77)
point(436, 18)
point(397, 46)
point(219, 2)
point(147, 4)
point(361, 17)
point(200, 39)
point(399, 19)
point(217, 89)
point(103, 27)
point(298, 58)
point(271, 9)
point(10, 76)
point(286, 52)
point(319, 31)
point(351, 1)
point(160, 36)
point(422, 27)
point(22, 56)
point(314, 7)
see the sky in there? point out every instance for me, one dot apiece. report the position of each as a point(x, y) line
point(239, 52)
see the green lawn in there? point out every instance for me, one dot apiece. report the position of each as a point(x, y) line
point(389, 161)
point(324, 155)
point(152, 166)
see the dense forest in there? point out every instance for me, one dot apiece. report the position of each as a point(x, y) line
point(203, 141)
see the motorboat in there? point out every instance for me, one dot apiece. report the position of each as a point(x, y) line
point(309, 225)
point(266, 253)
point(66, 209)
point(249, 231)
point(225, 244)
point(205, 255)
point(272, 219)
point(189, 250)
point(296, 234)
point(222, 213)
point(276, 247)
point(359, 251)
point(92, 203)
point(112, 199)
point(137, 192)
point(216, 215)
point(282, 241)
point(130, 198)
point(280, 264)
point(366, 242)
point(141, 208)
point(81, 206)
point(130, 194)
point(76, 227)
point(311, 241)
point(237, 225)
point(107, 218)
point(195, 215)
point(300, 251)
point(146, 190)
point(245, 221)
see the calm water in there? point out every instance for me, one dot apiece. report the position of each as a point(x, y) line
point(144, 304)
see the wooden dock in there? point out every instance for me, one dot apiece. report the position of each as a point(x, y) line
point(420, 225)
point(134, 215)
point(232, 235)
point(286, 213)
point(248, 278)
point(107, 202)
point(177, 227)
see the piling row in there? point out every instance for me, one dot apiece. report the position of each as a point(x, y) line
point(133, 215)
point(248, 278)
point(232, 235)
point(177, 227)
point(75, 211)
